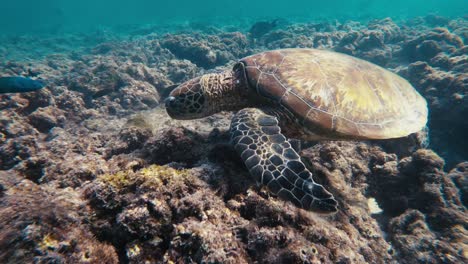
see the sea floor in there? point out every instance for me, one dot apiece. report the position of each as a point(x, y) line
point(92, 169)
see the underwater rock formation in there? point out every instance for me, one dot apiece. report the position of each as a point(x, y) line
point(91, 168)
point(260, 28)
point(43, 224)
point(207, 51)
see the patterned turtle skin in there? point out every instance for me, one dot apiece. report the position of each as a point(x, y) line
point(304, 94)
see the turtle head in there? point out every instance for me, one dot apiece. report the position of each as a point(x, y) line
point(204, 96)
point(188, 101)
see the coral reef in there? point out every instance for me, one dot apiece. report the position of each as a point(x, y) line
point(260, 28)
point(92, 170)
point(207, 51)
point(42, 224)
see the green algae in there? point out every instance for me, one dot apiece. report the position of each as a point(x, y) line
point(152, 177)
point(138, 120)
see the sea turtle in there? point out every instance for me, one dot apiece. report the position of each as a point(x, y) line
point(306, 94)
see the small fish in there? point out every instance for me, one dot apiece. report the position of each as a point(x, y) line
point(17, 84)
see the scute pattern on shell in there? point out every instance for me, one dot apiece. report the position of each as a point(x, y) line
point(336, 95)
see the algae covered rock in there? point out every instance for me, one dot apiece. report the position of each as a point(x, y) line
point(42, 225)
point(166, 213)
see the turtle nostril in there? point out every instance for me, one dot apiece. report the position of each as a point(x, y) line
point(169, 101)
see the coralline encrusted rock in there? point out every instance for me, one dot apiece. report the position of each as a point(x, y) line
point(426, 204)
point(161, 213)
point(274, 218)
point(446, 93)
point(174, 145)
point(207, 51)
point(215, 213)
point(44, 119)
point(178, 213)
point(413, 189)
point(45, 225)
point(459, 177)
point(426, 46)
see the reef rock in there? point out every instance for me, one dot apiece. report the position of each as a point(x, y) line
point(46, 225)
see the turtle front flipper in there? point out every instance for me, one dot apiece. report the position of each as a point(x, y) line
point(273, 162)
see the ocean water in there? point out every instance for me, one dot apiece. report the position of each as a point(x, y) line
point(101, 163)
point(57, 15)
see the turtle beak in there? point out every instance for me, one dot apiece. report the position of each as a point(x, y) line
point(169, 101)
point(171, 106)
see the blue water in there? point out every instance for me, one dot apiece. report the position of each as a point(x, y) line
point(51, 16)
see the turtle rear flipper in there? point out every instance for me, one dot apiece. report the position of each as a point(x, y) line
point(273, 162)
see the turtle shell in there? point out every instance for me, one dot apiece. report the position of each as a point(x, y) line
point(334, 95)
